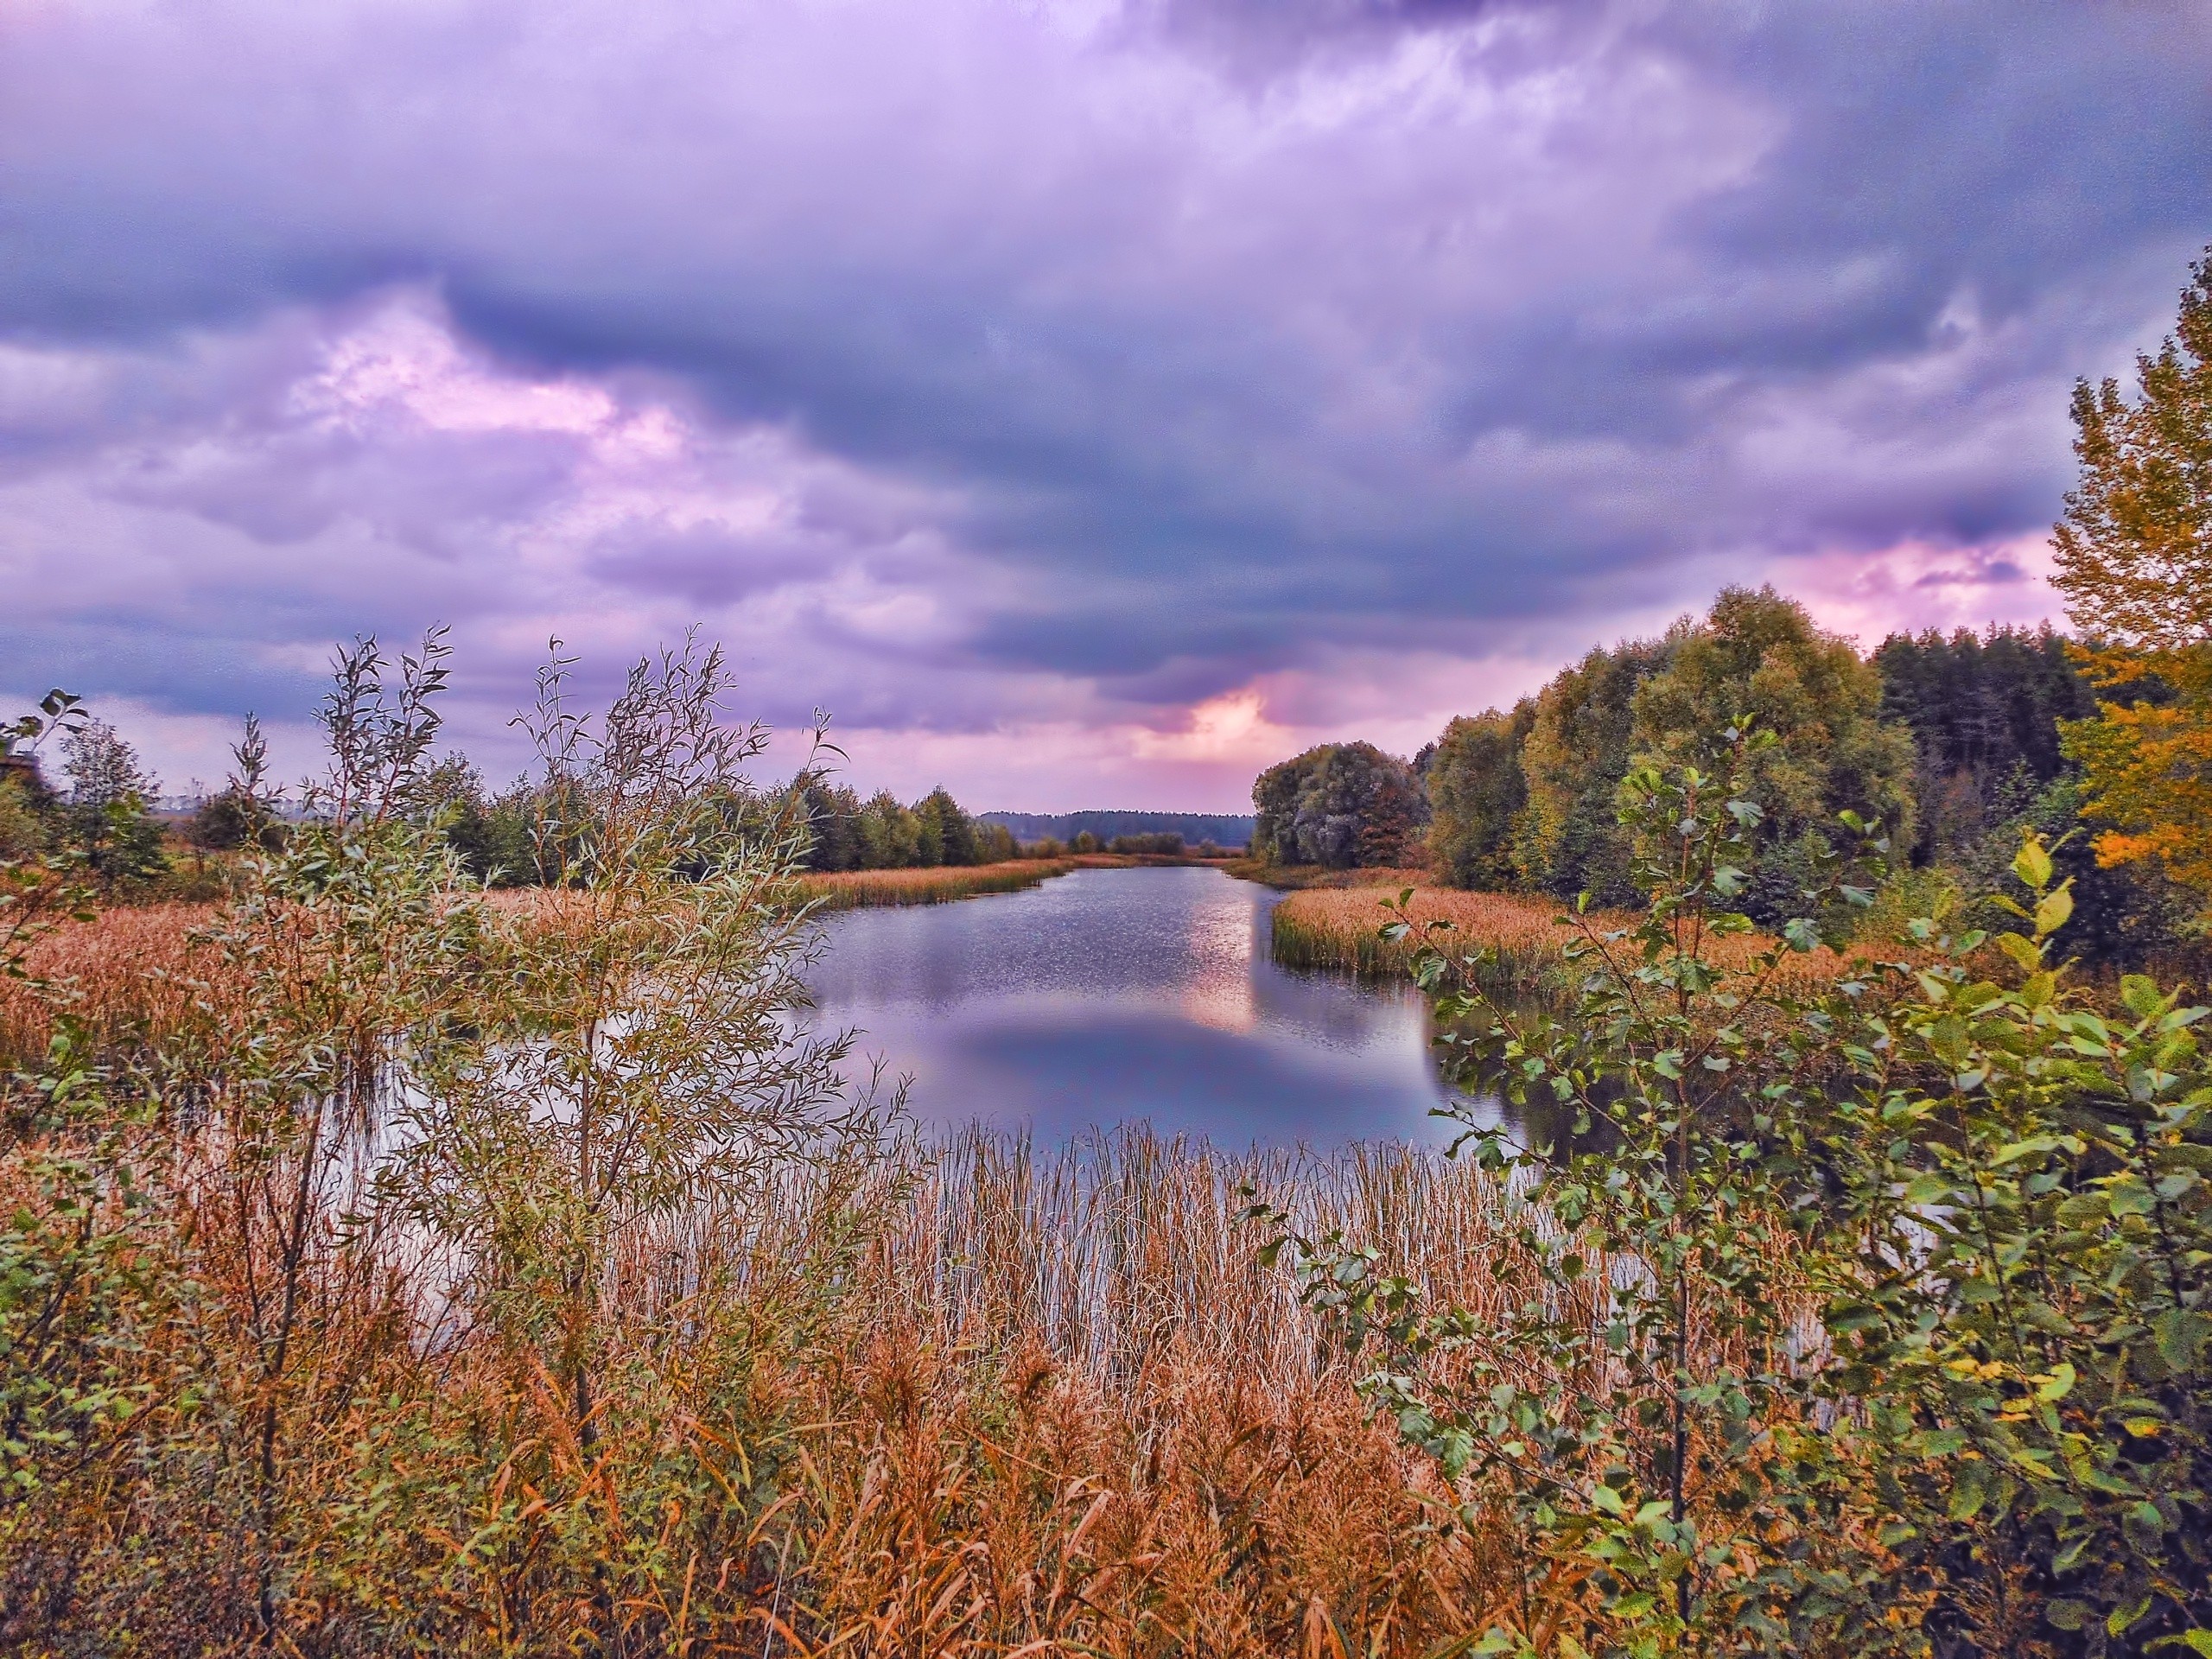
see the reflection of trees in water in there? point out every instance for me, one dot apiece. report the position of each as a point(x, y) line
point(1537, 1123)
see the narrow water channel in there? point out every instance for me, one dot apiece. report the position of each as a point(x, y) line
point(1107, 996)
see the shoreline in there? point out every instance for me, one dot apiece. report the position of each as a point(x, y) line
point(945, 884)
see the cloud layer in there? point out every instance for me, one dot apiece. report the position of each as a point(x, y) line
point(1083, 402)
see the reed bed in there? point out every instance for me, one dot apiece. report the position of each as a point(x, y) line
point(1075, 1413)
point(1340, 929)
point(942, 885)
point(978, 1398)
point(133, 976)
point(938, 884)
point(1101, 1251)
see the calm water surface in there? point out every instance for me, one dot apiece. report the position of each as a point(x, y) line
point(1108, 995)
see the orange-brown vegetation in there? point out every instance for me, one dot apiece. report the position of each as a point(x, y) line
point(928, 884)
point(1340, 928)
point(995, 1399)
point(130, 975)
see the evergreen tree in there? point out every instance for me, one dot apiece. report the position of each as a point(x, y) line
point(833, 820)
point(107, 818)
point(1984, 711)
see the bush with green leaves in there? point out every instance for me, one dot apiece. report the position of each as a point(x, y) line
point(1865, 1318)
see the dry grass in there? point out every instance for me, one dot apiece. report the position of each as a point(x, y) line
point(133, 976)
point(1340, 928)
point(1077, 1414)
point(851, 889)
point(1055, 1406)
point(941, 884)
point(1297, 878)
point(1006, 1400)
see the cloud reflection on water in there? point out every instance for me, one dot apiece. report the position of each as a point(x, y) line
point(1110, 995)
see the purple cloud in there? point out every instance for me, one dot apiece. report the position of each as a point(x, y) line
point(1076, 395)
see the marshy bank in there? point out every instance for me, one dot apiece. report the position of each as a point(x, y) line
point(1338, 928)
point(943, 884)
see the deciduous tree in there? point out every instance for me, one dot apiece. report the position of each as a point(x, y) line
point(1476, 788)
point(1758, 655)
point(1341, 805)
point(107, 816)
point(2135, 563)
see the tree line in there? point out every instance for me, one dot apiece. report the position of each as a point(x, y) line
point(98, 809)
point(2100, 741)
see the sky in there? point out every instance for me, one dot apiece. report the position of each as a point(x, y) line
point(1086, 405)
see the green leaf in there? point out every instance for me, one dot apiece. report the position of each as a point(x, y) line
point(2130, 1197)
point(2179, 1333)
point(2142, 996)
point(1928, 1188)
point(2032, 864)
point(1971, 1491)
point(2055, 906)
point(2016, 1150)
point(1607, 1498)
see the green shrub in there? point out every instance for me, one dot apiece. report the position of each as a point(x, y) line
point(1867, 1322)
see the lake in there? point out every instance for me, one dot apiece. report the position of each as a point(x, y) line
point(1108, 995)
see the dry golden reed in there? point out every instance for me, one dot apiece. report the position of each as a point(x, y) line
point(133, 975)
point(933, 884)
point(1051, 1403)
point(1075, 1415)
point(990, 1399)
point(1340, 928)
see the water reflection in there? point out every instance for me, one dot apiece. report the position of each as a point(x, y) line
point(1109, 996)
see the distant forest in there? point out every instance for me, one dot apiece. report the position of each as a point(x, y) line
point(1223, 829)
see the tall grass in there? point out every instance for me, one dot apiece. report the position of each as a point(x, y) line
point(977, 1398)
point(959, 1399)
point(934, 885)
point(133, 976)
point(1077, 1413)
point(1340, 928)
point(1000, 1395)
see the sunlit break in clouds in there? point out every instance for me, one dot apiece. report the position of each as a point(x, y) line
point(1086, 405)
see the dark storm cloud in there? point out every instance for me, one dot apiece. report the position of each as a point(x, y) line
point(1228, 333)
